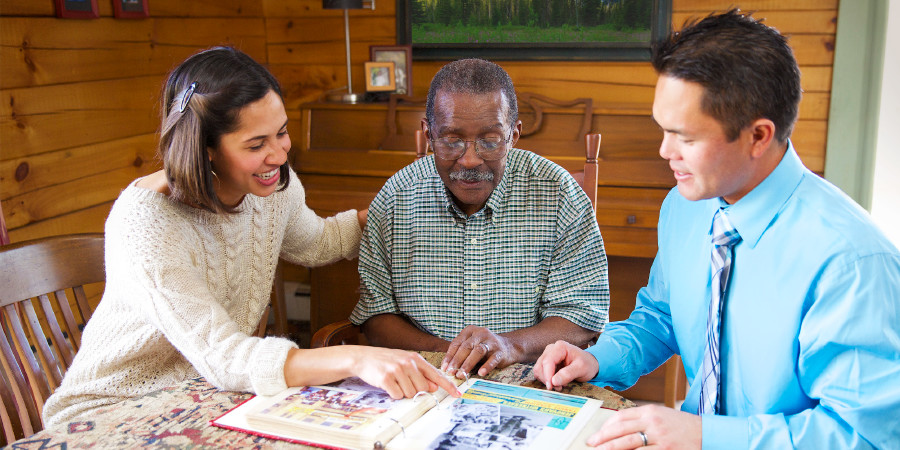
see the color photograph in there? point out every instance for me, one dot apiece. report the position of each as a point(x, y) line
point(530, 21)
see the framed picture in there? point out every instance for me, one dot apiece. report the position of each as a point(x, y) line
point(77, 9)
point(620, 30)
point(130, 9)
point(380, 77)
point(401, 56)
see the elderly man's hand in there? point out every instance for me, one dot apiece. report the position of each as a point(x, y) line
point(475, 344)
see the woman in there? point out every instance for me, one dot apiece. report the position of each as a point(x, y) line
point(191, 253)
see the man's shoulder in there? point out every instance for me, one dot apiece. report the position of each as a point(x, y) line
point(409, 178)
point(532, 165)
point(408, 181)
point(822, 208)
point(533, 173)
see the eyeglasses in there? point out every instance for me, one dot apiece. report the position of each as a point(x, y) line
point(452, 148)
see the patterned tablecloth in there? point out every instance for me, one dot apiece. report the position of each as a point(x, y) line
point(178, 417)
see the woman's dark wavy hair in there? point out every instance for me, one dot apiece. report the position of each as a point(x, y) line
point(226, 81)
point(747, 70)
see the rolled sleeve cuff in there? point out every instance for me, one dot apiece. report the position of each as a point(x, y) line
point(369, 306)
point(267, 366)
point(725, 432)
point(358, 317)
point(584, 317)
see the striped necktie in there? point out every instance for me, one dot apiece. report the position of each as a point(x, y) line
point(724, 238)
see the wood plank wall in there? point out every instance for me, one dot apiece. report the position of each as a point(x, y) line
point(78, 113)
point(79, 117)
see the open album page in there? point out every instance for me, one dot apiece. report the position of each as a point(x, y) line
point(348, 414)
point(494, 415)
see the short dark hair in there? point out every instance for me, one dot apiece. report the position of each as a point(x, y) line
point(473, 76)
point(193, 121)
point(747, 69)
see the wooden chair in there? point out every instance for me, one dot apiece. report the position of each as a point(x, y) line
point(36, 350)
point(36, 278)
point(343, 332)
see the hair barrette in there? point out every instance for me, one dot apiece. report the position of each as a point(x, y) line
point(186, 98)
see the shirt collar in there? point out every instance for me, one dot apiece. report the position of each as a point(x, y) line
point(753, 213)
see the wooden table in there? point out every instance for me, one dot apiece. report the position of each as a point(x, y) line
point(178, 417)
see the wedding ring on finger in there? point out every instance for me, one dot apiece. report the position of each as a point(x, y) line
point(485, 347)
point(643, 438)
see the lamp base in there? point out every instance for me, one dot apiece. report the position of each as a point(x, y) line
point(344, 97)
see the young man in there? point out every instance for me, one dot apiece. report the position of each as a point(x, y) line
point(778, 291)
point(483, 251)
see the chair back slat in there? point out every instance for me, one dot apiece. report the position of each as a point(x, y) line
point(56, 335)
point(27, 359)
point(8, 413)
point(421, 144)
point(71, 325)
point(16, 396)
point(81, 300)
point(591, 166)
point(46, 358)
point(36, 350)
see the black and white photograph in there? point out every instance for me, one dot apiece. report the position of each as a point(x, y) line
point(481, 413)
point(517, 430)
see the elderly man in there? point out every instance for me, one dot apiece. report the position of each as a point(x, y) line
point(777, 290)
point(483, 251)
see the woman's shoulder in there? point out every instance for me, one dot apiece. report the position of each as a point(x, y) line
point(143, 200)
point(143, 214)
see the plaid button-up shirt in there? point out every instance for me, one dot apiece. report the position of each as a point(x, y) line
point(532, 252)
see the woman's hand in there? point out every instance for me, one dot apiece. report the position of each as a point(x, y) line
point(400, 373)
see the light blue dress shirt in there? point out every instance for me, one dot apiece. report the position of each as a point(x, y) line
point(810, 340)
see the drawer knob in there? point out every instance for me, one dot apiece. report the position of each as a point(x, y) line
point(631, 219)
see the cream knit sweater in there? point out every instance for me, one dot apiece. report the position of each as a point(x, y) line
point(185, 289)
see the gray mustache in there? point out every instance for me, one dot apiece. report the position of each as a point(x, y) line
point(471, 175)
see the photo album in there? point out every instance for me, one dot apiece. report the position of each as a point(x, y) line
point(355, 415)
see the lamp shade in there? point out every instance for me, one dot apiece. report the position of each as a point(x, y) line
point(342, 4)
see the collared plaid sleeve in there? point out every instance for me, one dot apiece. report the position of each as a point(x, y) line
point(578, 283)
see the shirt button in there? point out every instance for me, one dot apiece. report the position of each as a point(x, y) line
point(473, 286)
point(474, 241)
point(537, 289)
